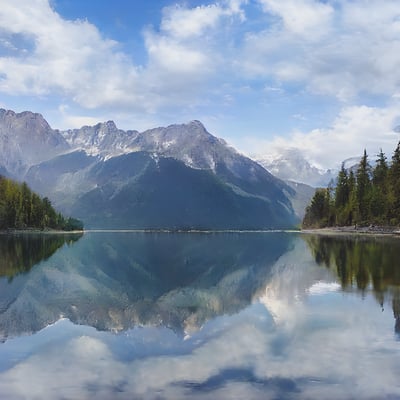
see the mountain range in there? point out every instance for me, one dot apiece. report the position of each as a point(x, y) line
point(175, 177)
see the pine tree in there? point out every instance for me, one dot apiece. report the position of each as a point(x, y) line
point(342, 196)
point(363, 190)
point(20, 208)
point(379, 192)
point(369, 196)
point(394, 188)
point(352, 205)
point(318, 212)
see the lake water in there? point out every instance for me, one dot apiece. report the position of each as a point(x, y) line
point(203, 316)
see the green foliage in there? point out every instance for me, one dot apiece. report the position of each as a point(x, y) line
point(362, 263)
point(318, 213)
point(20, 208)
point(370, 196)
point(363, 188)
point(19, 253)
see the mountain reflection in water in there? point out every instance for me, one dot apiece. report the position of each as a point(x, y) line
point(204, 316)
point(115, 281)
point(363, 263)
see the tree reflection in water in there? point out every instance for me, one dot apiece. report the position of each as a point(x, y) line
point(20, 252)
point(363, 263)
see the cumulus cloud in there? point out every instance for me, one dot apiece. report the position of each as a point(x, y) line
point(198, 59)
point(186, 55)
point(355, 128)
point(73, 59)
point(301, 17)
point(67, 57)
point(342, 49)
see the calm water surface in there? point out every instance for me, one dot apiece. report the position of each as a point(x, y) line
point(202, 316)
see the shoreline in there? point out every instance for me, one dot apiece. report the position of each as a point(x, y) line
point(334, 230)
point(38, 232)
point(352, 230)
point(168, 231)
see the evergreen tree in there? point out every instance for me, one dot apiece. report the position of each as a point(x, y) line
point(352, 205)
point(379, 191)
point(20, 208)
point(394, 188)
point(369, 196)
point(318, 212)
point(363, 190)
point(342, 193)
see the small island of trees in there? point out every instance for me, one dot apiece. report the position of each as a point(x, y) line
point(21, 208)
point(366, 196)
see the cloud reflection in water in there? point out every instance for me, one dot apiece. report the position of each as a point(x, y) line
point(290, 343)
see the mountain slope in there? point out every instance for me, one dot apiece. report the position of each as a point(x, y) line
point(174, 177)
point(165, 193)
point(26, 139)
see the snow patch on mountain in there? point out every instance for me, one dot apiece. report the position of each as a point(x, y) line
point(291, 164)
point(103, 139)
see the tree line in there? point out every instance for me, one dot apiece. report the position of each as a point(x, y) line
point(363, 264)
point(362, 197)
point(19, 253)
point(21, 208)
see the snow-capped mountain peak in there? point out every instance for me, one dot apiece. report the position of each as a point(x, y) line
point(103, 139)
point(292, 165)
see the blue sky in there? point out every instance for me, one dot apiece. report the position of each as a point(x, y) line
point(320, 76)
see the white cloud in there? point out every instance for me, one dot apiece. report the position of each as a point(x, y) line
point(301, 17)
point(187, 23)
point(355, 128)
point(183, 23)
point(198, 57)
point(73, 59)
point(68, 57)
point(344, 50)
point(187, 55)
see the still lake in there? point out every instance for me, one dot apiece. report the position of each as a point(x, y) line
point(122, 315)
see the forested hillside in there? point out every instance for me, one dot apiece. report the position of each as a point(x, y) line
point(366, 196)
point(20, 208)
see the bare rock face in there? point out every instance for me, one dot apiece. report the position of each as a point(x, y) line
point(27, 139)
point(103, 139)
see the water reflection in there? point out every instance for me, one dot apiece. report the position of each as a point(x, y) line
point(274, 323)
point(20, 252)
point(115, 281)
point(363, 263)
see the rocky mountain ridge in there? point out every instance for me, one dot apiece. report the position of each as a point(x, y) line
point(125, 172)
point(291, 165)
point(26, 139)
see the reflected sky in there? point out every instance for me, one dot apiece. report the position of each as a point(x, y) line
point(299, 336)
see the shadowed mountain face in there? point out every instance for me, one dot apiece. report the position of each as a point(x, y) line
point(115, 281)
point(138, 191)
point(180, 176)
